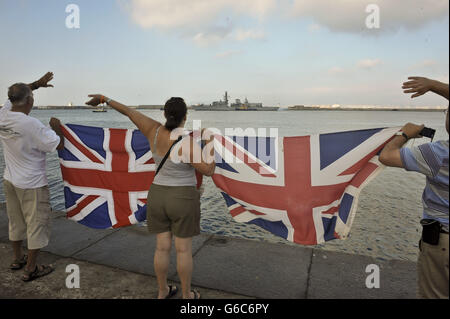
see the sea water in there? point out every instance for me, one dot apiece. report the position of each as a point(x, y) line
point(386, 225)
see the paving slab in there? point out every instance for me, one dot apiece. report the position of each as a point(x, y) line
point(343, 276)
point(132, 249)
point(69, 237)
point(253, 268)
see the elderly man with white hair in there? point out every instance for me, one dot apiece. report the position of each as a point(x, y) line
point(25, 141)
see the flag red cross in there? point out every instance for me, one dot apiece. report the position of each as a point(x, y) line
point(297, 197)
point(119, 180)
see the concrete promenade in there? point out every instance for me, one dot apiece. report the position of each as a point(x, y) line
point(119, 264)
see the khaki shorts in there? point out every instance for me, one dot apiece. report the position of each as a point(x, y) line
point(432, 269)
point(29, 214)
point(174, 209)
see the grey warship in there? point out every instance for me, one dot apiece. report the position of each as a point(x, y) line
point(223, 105)
point(214, 106)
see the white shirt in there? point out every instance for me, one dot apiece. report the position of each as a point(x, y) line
point(25, 142)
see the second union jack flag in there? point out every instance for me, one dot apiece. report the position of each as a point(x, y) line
point(304, 189)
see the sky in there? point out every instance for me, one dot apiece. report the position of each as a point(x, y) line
point(278, 52)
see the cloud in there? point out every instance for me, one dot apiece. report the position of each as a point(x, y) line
point(212, 35)
point(368, 63)
point(199, 19)
point(350, 16)
point(170, 14)
point(206, 39)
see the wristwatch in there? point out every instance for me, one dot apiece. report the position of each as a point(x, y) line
point(108, 101)
point(400, 133)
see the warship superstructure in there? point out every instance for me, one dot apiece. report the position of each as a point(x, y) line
point(223, 105)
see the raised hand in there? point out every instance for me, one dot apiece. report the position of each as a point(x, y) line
point(96, 99)
point(43, 81)
point(418, 85)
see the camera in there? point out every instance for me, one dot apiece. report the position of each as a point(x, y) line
point(428, 132)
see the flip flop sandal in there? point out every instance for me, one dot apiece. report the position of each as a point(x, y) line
point(39, 271)
point(172, 291)
point(19, 264)
point(196, 294)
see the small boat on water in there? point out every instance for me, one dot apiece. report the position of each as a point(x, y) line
point(100, 110)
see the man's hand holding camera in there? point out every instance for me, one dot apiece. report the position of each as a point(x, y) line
point(413, 130)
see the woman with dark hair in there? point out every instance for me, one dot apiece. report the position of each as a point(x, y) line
point(173, 200)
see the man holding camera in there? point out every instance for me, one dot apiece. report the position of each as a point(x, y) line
point(430, 159)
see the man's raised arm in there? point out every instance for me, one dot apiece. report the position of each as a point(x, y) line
point(420, 85)
point(42, 82)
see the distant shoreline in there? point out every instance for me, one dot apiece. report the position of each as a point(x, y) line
point(160, 107)
point(83, 107)
point(371, 109)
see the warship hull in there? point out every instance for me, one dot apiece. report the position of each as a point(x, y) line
point(211, 108)
point(238, 106)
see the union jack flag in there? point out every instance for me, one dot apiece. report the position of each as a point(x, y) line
point(107, 174)
point(304, 189)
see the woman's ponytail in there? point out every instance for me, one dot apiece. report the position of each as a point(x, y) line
point(175, 110)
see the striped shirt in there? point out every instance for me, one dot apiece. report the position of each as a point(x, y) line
point(431, 159)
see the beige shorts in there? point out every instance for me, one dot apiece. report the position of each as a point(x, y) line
point(174, 209)
point(432, 269)
point(29, 214)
